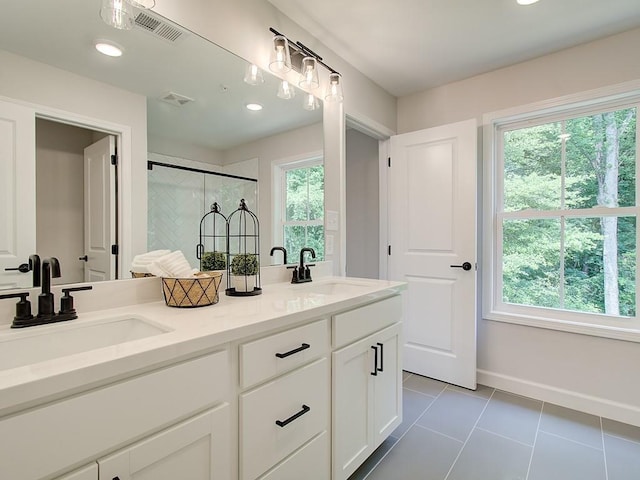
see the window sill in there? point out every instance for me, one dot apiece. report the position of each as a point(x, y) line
point(615, 333)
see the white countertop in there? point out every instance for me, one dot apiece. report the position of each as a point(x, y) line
point(191, 330)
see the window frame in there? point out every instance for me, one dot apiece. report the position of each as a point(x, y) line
point(494, 124)
point(280, 170)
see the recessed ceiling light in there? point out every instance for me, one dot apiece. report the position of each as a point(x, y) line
point(109, 49)
point(526, 2)
point(254, 106)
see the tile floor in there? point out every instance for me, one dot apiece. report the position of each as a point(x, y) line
point(456, 434)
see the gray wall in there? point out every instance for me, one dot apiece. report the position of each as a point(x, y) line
point(590, 373)
point(363, 213)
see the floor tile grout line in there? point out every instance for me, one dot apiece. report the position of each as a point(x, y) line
point(619, 437)
point(504, 436)
point(439, 433)
point(571, 440)
point(604, 451)
point(535, 440)
point(405, 432)
point(469, 436)
point(462, 391)
point(421, 393)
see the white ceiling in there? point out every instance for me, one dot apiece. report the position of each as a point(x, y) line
point(407, 46)
point(62, 33)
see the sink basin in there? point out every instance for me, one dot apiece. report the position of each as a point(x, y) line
point(38, 344)
point(331, 288)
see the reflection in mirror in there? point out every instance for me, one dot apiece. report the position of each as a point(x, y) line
point(183, 102)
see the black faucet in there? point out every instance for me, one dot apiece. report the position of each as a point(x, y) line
point(283, 250)
point(46, 310)
point(50, 268)
point(302, 273)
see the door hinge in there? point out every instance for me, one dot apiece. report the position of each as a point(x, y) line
point(389, 250)
point(389, 161)
point(114, 159)
point(114, 249)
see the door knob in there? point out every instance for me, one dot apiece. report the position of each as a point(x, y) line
point(465, 266)
point(84, 259)
point(22, 268)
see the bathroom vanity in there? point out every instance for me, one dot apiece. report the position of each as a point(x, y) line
point(303, 381)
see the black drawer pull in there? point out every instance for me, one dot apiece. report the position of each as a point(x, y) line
point(381, 369)
point(304, 346)
point(375, 361)
point(284, 423)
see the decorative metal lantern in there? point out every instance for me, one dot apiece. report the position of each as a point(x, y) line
point(243, 247)
point(212, 249)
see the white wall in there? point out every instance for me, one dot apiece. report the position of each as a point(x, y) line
point(590, 373)
point(363, 216)
point(295, 144)
point(37, 83)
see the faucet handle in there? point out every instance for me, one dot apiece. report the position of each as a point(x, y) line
point(66, 301)
point(23, 308)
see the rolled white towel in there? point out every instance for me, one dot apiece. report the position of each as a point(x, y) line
point(146, 258)
point(173, 264)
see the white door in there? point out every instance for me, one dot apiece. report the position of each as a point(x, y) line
point(17, 192)
point(432, 231)
point(99, 210)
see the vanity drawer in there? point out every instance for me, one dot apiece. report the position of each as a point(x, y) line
point(82, 427)
point(280, 353)
point(311, 462)
point(263, 443)
point(356, 324)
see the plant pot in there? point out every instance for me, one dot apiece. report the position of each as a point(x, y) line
point(243, 283)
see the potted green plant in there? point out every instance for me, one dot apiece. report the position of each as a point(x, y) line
point(244, 268)
point(213, 261)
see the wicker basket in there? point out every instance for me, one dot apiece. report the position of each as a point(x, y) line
point(198, 291)
point(141, 275)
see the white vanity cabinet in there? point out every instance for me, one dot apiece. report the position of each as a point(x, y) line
point(284, 418)
point(90, 472)
point(367, 382)
point(197, 449)
point(82, 428)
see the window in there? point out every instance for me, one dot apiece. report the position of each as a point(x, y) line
point(564, 218)
point(302, 215)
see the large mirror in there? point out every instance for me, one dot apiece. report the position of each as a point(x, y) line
point(173, 99)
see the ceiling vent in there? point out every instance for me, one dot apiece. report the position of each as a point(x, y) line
point(158, 27)
point(176, 99)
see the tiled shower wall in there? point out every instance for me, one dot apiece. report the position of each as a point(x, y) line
point(177, 200)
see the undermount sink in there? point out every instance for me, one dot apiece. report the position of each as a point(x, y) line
point(38, 344)
point(331, 288)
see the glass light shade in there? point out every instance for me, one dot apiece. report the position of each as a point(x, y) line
point(253, 75)
point(309, 73)
point(286, 91)
point(144, 4)
point(280, 55)
point(334, 91)
point(310, 102)
point(117, 14)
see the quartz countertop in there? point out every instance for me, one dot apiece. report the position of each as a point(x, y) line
point(190, 331)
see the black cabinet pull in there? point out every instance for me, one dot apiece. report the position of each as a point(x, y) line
point(381, 369)
point(304, 346)
point(284, 423)
point(375, 361)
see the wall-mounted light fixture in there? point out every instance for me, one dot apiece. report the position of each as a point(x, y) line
point(253, 75)
point(287, 55)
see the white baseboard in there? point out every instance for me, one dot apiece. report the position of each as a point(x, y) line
point(578, 401)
